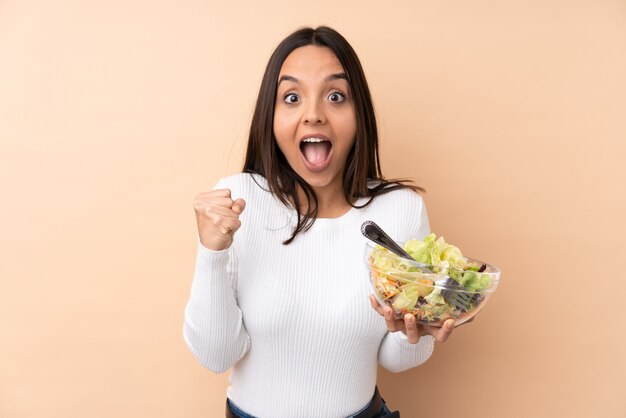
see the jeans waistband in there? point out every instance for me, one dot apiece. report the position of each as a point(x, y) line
point(372, 410)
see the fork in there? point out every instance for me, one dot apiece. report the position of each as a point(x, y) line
point(375, 233)
point(456, 294)
point(452, 290)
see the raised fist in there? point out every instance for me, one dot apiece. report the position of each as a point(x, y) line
point(217, 215)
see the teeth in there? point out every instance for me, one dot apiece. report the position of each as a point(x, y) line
point(313, 140)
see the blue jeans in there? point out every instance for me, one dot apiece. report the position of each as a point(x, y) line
point(384, 411)
point(238, 411)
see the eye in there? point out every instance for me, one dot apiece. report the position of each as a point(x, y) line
point(291, 98)
point(336, 96)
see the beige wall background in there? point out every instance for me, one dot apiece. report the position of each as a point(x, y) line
point(114, 115)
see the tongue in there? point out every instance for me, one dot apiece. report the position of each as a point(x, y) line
point(316, 152)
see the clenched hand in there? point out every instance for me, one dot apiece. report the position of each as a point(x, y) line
point(217, 215)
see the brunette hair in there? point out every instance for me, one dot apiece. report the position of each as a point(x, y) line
point(265, 158)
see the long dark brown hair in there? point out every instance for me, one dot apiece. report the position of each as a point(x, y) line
point(265, 158)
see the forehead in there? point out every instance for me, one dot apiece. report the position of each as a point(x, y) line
point(311, 60)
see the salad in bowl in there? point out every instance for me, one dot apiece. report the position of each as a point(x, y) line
point(438, 284)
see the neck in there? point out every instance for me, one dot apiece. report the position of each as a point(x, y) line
point(331, 202)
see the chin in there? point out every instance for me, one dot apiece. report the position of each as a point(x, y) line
point(318, 181)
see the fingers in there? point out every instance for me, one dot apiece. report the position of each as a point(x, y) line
point(221, 210)
point(228, 225)
point(409, 325)
point(386, 312)
point(217, 216)
point(376, 306)
point(220, 200)
point(466, 322)
point(216, 193)
point(443, 333)
point(238, 206)
point(393, 324)
point(413, 334)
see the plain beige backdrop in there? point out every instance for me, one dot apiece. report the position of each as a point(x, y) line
point(114, 115)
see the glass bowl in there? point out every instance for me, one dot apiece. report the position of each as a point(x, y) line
point(432, 293)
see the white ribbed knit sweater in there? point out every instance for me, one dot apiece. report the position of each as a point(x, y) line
point(294, 321)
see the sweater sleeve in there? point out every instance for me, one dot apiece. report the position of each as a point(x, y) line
point(213, 327)
point(396, 354)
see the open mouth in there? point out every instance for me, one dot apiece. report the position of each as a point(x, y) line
point(316, 152)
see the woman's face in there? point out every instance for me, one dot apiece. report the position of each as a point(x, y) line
point(314, 118)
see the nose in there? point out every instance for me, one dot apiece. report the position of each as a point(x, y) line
point(314, 113)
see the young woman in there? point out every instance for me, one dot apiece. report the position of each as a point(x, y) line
point(280, 291)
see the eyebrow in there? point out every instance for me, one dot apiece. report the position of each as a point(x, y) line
point(336, 76)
